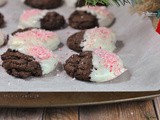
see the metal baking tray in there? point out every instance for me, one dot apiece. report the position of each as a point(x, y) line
point(58, 99)
point(62, 90)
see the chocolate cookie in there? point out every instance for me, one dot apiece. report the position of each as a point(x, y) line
point(35, 18)
point(34, 36)
point(92, 39)
point(79, 66)
point(52, 21)
point(44, 4)
point(20, 65)
point(2, 22)
point(91, 16)
point(97, 66)
point(82, 20)
point(75, 40)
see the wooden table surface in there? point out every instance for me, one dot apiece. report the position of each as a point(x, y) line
point(139, 110)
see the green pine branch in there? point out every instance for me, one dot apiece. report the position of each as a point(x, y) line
point(107, 2)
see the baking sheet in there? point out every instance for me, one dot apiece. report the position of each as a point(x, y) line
point(140, 53)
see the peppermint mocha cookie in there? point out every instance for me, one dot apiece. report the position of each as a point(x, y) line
point(43, 4)
point(97, 66)
point(22, 37)
point(41, 19)
point(2, 2)
point(90, 16)
point(29, 61)
point(91, 39)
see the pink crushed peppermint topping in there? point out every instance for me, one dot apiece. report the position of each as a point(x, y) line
point(111, 61)
point(29, 13)
point(100, 32)
point(99, 10)
point(37, 34)
point(40, 52)
point(95, 34)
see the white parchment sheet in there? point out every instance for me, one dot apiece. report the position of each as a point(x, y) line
point(140, 53)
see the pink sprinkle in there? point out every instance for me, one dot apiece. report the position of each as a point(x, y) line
point(68, 33)
point(101, 32)
point(95, 34)
point(111, 61)
point(40, 52)
point(39, 34)
point(29, 13)
point(60, 49)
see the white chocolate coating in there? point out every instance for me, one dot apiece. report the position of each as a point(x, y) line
point(39, 37)
point(70, 3)
point(108, 66)
point(96, 38)
point(2, 38)
point(47, 60)
point(31, 18)
point(2, 2)
point(22, 1)
point(105, 18)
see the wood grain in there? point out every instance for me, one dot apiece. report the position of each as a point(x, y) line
point(157, 106)
point(122, 111)
point(20, 114)
point(61, 114)
point(141, 110)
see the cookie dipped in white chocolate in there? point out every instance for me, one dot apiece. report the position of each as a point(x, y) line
point(31, 18)
point(106, 66)
point(104, 16)
point(47, 60)
point(70, 3)
point(47, 39)
point(96, 38)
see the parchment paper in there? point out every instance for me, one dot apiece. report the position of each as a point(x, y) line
point(140, 53)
